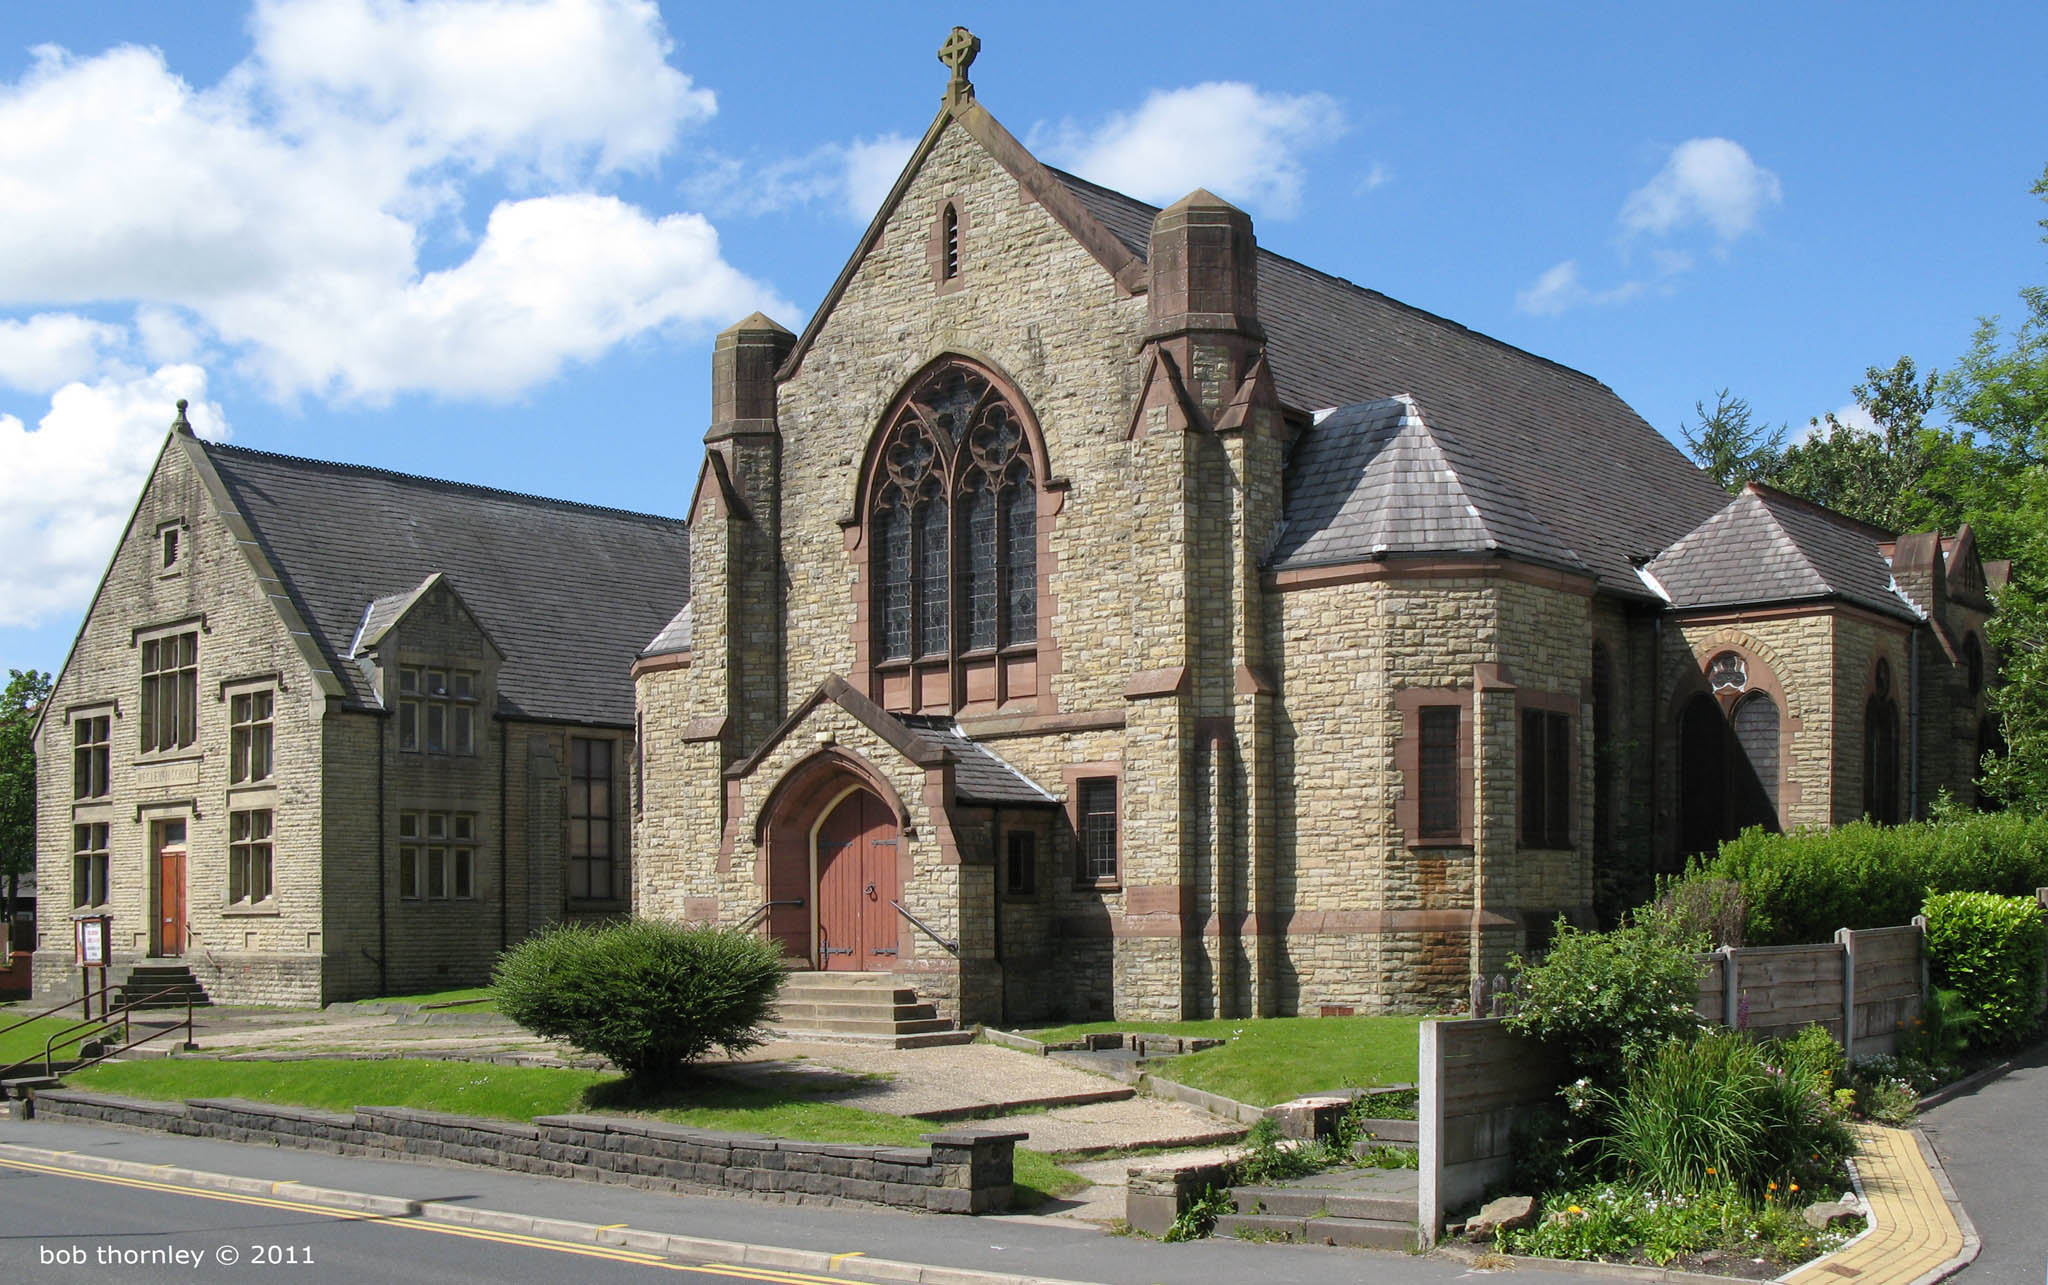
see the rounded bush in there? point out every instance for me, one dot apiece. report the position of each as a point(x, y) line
point(1992, 951)
point(648, 996)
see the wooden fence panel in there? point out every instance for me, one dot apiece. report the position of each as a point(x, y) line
point(1476, 1079)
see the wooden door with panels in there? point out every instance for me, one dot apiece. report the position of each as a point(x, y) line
point(859, 880)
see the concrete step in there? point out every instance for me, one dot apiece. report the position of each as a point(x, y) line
point(867, 1025)
point(791, 1011)
point(930, 1039)
point(1320, 1202)
point(1355, 1233)
point(1391, 1132)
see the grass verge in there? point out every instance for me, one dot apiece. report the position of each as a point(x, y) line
point(29, 1040)
point(1275, 1059)
point(523, 1092)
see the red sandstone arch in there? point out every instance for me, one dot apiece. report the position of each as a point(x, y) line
point(787, 825)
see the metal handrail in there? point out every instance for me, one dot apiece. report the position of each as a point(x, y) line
point(762, 912)
point(952, 947)
point(101, 1025)
point(86, 998)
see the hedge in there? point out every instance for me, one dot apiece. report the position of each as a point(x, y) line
point(1802, 886)
point(1992, 951)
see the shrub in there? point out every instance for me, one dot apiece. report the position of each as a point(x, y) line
point(1938, 1038)
point(1715, 908)
point(1802, 886)
point(1606, 1001)
point(1714, 1110)
point(1990, 950)
point(647, 995)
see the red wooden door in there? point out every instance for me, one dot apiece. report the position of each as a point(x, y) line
point(170, 888)
point(857, 882)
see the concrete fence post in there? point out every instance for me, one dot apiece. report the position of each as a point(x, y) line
point(1846, 938)
point(1920, 922)
point(1731, 988)
point(1429, 1142)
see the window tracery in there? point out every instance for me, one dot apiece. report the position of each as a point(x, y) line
point(952, 527)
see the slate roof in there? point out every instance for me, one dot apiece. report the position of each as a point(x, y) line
point(1766, 546)
point(1608, 486)
point(674, 636)
point(568, 592)
point(1376, 478)
point(979, 776)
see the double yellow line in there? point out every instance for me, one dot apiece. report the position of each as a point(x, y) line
point(616, 1254)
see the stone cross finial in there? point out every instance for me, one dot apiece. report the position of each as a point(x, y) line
point(958, 53)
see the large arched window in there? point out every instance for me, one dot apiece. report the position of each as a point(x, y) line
point(952, 519)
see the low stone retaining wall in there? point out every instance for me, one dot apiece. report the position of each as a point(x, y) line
point(961, 1171)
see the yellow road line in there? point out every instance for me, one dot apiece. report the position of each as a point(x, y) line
point(612, 1226)
point(837, 1259)
point(616, 1254)
point(770, 1274)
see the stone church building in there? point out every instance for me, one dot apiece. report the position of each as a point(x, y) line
point(331, 731)
point(1095, 613)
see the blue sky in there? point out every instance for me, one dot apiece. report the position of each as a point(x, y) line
point(490, 239)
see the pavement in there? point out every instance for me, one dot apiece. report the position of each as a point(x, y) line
point(1989, 1139)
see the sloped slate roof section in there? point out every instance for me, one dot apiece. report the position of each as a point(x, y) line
point(674, 636)
point(1766, 546)
point(569, 592)
point(1608, 485)
point(979, 776)
point(1377, 479)
point(381, 614)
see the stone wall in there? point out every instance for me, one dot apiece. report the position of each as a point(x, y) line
point(960, 1171)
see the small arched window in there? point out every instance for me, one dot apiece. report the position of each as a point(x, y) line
point(953, 543)
point(1973, 663)
point(1881, 749)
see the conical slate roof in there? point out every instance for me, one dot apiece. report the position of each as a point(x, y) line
point(1766, 546)
point(1376, 479)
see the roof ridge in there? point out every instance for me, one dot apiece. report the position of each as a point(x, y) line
point(1765, 490)
point(1066, 176)
point(447, 484)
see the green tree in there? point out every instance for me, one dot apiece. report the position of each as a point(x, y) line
point(1876, 477)
point(19, 707)
point(1728, 445)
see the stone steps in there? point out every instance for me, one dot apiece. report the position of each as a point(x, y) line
point(152, 986)
point(864, 1008)
point(1321, 1202)
point(1354, 1233)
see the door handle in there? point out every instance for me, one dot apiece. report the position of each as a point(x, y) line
point(871, 892)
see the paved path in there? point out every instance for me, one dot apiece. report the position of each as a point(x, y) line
point(1912, 1232)
point(1994, 1145)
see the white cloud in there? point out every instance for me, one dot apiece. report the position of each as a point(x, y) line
point(1705, 180)
point(1239, 142)
point(1374, 179)
point(1852, 416)
point(855, 177)
point(1559, 289)
point(51, 349)
point(539, 83)
point(70, 482)
point(554, 279)
point(872, 167)
point(280, 214)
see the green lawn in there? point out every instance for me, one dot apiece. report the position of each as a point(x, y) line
point(27, 1041)
point(523, 1092)
point(1274, 1059)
